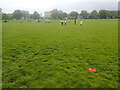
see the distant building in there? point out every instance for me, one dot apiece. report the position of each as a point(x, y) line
point(47, 14)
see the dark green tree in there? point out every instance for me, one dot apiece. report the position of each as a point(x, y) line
point(35, 15)
point(55, 14)
point(5, 16)
point(84, 14)
point(17, 14)
point(10, 17)
point(73, 14)
point(25, 14)
point(105, 14)
point(114, 14)
point(94, 14)
point(61, 14)
point(64, 15)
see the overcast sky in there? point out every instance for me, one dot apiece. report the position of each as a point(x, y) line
point(8, 6)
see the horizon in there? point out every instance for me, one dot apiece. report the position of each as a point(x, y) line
point(66, 6)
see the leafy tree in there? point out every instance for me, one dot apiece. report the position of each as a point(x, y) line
point(31, 16)
point(58, 14)
point(25, 14)
point(109, 14)
point(5, 16)
point(104, 14)
point(35, 15)
point(94, 14)
point(61, 14)
point(17, 14)
point(114, 14)
point(73, 14)
point(84, 14)
point(55, 13)
point(64, 15)
point(10, 16)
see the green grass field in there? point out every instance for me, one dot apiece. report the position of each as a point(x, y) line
point(48, 55)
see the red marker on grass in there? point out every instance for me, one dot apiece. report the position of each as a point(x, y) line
point(92, 70)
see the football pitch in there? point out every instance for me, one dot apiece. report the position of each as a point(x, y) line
point(49, 55)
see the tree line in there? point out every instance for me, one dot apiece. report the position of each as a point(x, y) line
point(59, 14)
point(21, 14)
point(102, 14)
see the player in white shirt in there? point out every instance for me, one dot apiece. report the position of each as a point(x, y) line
point(65, 22)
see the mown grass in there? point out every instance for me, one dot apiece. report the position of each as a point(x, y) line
point(48, 55)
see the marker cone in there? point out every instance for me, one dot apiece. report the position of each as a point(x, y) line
point(92, 70)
